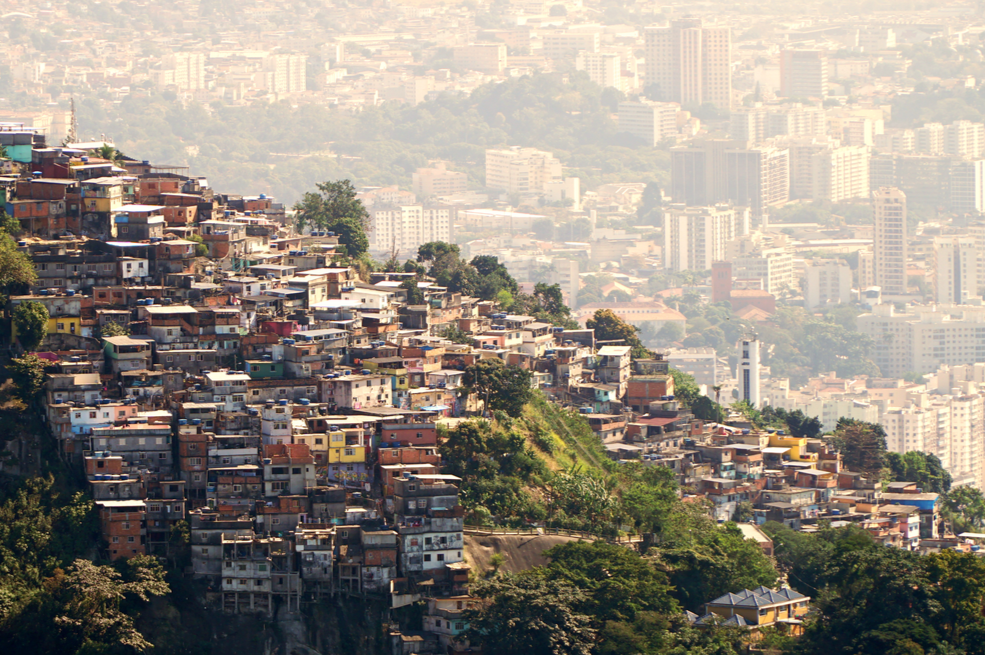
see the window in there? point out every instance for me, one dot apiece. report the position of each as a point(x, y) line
point(427, 558)
point(116, 540)
point(441, 557)
point(275, 521)
point(129, 540)
point(296, 470)
point(126, 525)
point(205, 551)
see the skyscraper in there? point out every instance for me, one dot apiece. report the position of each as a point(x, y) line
point(889, 247)
point(747, 371)
point(690, 63)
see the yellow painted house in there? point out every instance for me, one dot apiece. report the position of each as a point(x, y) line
point(756, 608)
point(797, 446)
point(342, 450)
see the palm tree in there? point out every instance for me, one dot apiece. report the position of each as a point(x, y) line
point(3, 153)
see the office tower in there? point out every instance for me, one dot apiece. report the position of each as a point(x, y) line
point(521, 170)
point(956, 261)
point(695, 237)
point(603, 68)
point(803, 74)
point(964, 139)
point(840, 173)
point(827, 282)
point(747, 370)
point(716, 170)
point(689, 63)
point(930, 139)
point(889, 246)
point(650, 121)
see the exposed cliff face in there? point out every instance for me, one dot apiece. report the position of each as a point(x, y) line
point(520, 552)
point(183, 625)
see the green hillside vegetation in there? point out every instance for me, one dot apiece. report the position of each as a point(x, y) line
point(285, 150)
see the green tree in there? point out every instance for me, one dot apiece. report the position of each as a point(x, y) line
point(414, 294)
point(802, 426)
point(923, 468)
point(609, 327)
point(114, 329)
point(862, 445)
point(529, 614)
point(201, 250)
point(336, 208)
point(9, 224)
point(28, 375)
point(16, 268)
point(685, 389)
point(617, 582)
point(456, 334)
point(30, 320)
point(502, 387)
point(707, 409)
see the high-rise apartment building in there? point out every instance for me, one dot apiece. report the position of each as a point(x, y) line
point(827, 282)
point(755, 124)
point(695, 237)
point(772, 266)
point(286, 73)
point(889, 245)
point(185, 70)
point(804, 73)
point(930, 139)
point(405, 228)
point(840, 173)
point(964, 139)
point(956, 263)
point(757, 177)
point(521, 170)
point(690, 63)
point(747, 370)
point(603, 68)
point(650, 121)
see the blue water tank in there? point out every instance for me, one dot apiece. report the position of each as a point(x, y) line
point(196, 421)
point(282, 402)
point(305, 401)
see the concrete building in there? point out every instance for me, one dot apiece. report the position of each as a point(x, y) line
point(286, 73)
point(889, 247)
point(804, 73)
point(695, 237)
point(922, 338)
point(773, 266)
point(827, 282)
point(404, 228)
point(690, 63)
point(438, 181)
point(747, 370)
point(487, 58)
point(956, 267)
point(568, 44)
point(521, 170)
point(967, 187)
point(839, 174)
point(964, 139)
point(929, 139)
point(757, 177)
point(603, 68)
point(650, 121)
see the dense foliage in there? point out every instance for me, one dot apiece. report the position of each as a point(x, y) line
point(872, 599)
point(335, 208)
